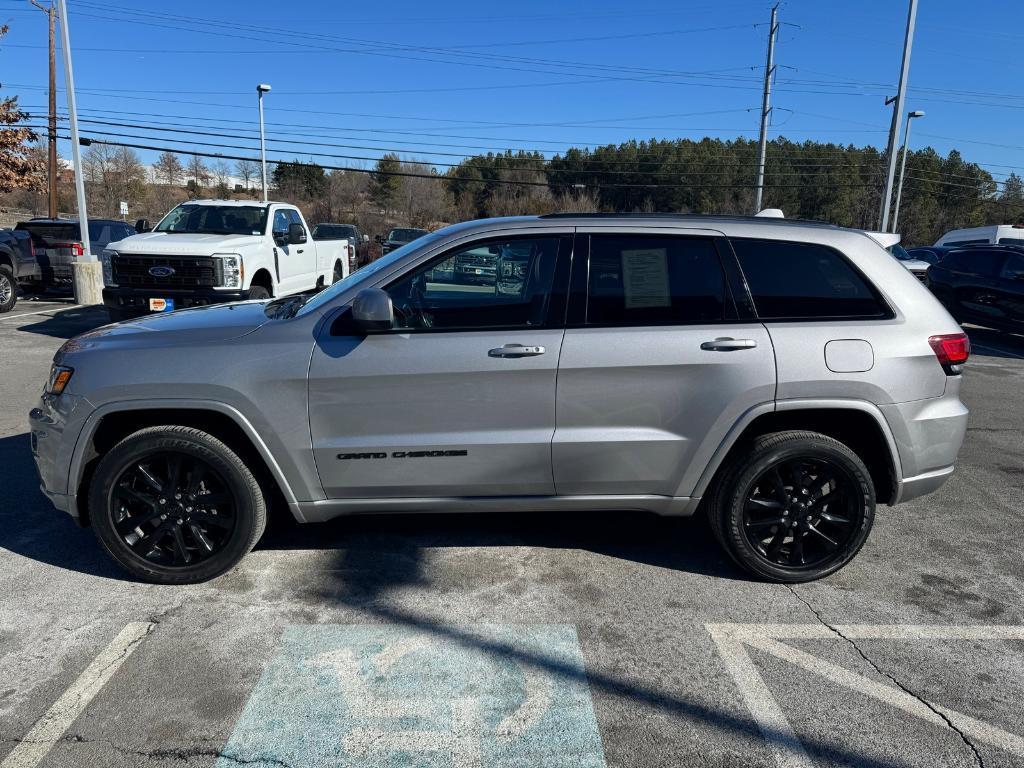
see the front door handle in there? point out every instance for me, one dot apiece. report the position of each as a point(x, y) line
point(516, 350)
point(727, 344)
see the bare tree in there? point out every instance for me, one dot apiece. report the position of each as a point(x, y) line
point(198, 175)
point(424, 199)
point(168, 169)
point(221, 173)
point(247, 170)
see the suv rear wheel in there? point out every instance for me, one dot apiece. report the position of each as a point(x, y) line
point(175, 505)
point(795, 506)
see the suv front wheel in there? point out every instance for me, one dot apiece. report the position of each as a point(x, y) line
point(795, 506)
point(175, 505)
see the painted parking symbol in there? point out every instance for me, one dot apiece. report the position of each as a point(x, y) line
point(381, 695)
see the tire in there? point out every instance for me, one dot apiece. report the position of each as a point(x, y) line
point(8, 289)
point(224, 502)
point(258, 292)
point(758, 518)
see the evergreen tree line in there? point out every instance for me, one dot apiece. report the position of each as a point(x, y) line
point(810, 180)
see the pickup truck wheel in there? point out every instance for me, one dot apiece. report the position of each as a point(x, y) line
point(258, 292)
point(796, 506)
point(175, 505)
point(8, 289)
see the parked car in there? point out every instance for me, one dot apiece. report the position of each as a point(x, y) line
point(398, 237)
point(982, 284)
point(996, 234)
point(17, 262)
point(477, 266)
point(213, 251)
point(58, 242)
point(358, 243)
point(781, 378)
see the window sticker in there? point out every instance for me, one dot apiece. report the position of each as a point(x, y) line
point(645, 278)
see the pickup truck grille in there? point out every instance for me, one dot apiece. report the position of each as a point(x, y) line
point(476, 260)
point(189, 271)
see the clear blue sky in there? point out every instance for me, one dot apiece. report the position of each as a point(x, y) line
point(458, 77)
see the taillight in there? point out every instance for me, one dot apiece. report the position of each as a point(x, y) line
point(951, 349)
point(351, 251)
point(76, 248)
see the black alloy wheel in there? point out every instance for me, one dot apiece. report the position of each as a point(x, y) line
point(801, 511)
point(175, 505)
point(792, 506)
point(173, 509)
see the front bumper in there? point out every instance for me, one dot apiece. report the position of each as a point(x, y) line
point(136, 300)
point(54, 427)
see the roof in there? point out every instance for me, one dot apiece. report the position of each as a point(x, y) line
point(688, 218)
point(45, 220)
point(236, 203)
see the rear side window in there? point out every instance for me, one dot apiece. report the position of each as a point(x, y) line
point(637, 280)
point(790, 281)
point(1011, 240)
point(976, 262)
point(1014, 267)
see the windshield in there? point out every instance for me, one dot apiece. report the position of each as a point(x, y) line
point(900, 252)
point(405, 235)
point(327, 295)
point(215, 219)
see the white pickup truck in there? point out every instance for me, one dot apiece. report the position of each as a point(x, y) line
point(213, 251)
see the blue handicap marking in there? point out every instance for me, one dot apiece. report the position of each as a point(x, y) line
point(481, 696)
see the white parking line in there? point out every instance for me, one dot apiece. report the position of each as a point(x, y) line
point(26, 314)
point(776, 729)
point(58, 718)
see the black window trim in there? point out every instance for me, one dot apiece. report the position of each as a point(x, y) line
point(579, 294)
point(557, 300)
point(887, 313)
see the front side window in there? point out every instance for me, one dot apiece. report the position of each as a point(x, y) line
point(654, 280)
point(790, 281)
point(1014, 267)
point(280, 222)
point(492, 284)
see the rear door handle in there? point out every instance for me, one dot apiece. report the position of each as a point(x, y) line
point(516, 350)
point(727, 344)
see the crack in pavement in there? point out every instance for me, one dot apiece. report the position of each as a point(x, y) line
point(835, 630)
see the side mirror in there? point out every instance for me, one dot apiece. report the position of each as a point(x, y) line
point(378, 239)
point(372, 310)
point(296, 234)
point(142, 225)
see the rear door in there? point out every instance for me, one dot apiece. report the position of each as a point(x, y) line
point(1010, 293)
point(659, 361)
point(459, 398)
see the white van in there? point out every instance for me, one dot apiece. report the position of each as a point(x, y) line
point(1005, 234)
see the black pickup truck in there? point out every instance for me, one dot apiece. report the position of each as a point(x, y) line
point(17, 262)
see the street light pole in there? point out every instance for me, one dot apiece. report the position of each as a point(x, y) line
point(897, 111)
point(86, 271)
point(903, 166)
point(260, 90)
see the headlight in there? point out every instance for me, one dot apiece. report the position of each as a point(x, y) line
point(106, 259)
point(232, 270)
point(60, 375)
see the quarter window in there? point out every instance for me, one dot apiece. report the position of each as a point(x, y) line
point(976, 262)
point(803, 281)
point(1014, 267)
point(492, 284)
point(651, 280)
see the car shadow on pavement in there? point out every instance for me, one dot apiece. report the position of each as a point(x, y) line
point(683, 544)
point(64, 323)
point(32, 528)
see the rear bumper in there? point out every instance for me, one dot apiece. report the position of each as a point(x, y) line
point(129, 300)
point(928, 435)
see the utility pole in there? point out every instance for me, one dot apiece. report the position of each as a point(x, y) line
point(86, 272)
point(897, 113)
point(51, 12)
point(766, 108)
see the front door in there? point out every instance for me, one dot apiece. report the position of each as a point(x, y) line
point(657, 365)
point(1010, 294)
point(459, 398)
point(295, 263)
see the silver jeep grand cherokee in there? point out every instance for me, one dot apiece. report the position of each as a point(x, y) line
point(780, 377)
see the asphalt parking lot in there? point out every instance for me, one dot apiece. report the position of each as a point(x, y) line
point(519, 640)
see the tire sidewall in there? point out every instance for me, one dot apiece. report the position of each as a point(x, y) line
point(136, 448)
point(7, 276)
point(259, 289)
point(736, 491)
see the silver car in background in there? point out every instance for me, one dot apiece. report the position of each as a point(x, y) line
point(779, 377)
